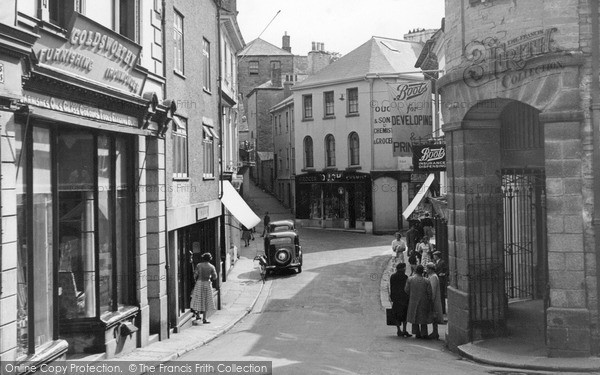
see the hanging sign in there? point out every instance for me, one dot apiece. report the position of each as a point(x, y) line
point(429, 157)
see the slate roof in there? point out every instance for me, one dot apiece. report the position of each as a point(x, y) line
point(259, 47)
point(377, 55)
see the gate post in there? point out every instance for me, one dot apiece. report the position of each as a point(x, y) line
point(473, 154)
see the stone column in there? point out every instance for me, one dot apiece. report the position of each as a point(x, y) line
point(568, 317)
point(473, 158)
point(156, 229)
point(141, 258)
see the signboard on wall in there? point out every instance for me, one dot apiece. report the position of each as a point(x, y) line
point(402, 114)
point(429, 157)
point(93, 52)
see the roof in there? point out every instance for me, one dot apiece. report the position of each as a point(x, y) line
point(282, 104)
point(377, 55)
point(265, 86)
point(259, 47)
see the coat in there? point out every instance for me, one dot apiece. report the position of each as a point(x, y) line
point(436, 292)
point(419, 300)
point(398, 296)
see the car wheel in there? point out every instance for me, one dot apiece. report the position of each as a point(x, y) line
point(283, 257)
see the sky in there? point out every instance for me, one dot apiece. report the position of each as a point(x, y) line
point(342, 25)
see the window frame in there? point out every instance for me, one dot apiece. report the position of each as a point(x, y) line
point(307, 110)
point(352, 103)
point(309, 160)
point(329, 151)
point(208, 144)
point(206, 77)
point(178, 31)
point(253, 67)
point(180, 137)
point(353, 149)
point(328, 104)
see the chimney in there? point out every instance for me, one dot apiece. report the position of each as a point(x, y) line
point(285, 42)
point(287, 88)
point(314, 46)
point(323, 47)
point(276, 77)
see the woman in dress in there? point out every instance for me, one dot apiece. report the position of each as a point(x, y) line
point(424, 248)
point(202, 296)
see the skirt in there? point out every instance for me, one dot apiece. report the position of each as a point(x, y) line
point(399, 311)
point(202, 297)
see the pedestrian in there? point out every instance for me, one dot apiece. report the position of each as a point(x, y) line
point(424, 248)
point(412, 238)
point(266, 221)
point(427, 225)
point(246, 235)
point(399, 298)
point(399, 247)
point(202, 295)
point(437, 314)
point(413, 260)
point(419, 293)
point(442, 271)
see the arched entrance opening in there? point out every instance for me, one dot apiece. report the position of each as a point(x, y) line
point(505, 220)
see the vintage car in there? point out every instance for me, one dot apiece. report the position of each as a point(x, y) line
point(281, 226)
point(282, 251)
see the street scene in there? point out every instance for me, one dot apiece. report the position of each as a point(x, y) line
point(299, 187)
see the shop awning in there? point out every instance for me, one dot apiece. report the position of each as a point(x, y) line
point(419, 197)
point(238, 207)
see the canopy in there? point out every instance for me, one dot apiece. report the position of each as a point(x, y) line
point(238, 207)
point(419, 197)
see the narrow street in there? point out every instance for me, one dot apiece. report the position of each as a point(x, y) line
point(329, 319)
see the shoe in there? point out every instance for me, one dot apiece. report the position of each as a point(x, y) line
point(433, 336)
point(406, 334)
point(205, 322)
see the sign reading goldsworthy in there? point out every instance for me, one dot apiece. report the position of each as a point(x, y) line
point(94, 52)
point(429, 157)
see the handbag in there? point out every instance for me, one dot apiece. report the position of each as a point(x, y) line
point(390, 318)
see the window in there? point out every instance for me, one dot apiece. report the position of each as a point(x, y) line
point(353, 148)
point(279, 124)
point(287, 122)
point(253, 67)
point(293, 166)
point(206, 64)
point(308, 152)
point(329, 105)
point(60, 12)
point(280, 160)
point(209, 152)
point(307, 113)
point(329, 151)
point(178, 42)
point(352, 95)
point(287, 159)
point(180, 147)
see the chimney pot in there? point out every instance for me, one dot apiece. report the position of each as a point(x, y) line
point(314, 46)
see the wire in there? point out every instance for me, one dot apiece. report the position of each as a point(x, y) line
point(258, 37)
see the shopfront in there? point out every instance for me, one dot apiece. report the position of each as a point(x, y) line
point(334, 200)
point(78, 137)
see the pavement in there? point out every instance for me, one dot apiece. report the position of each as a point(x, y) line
point(243, 287)
point(511, 352)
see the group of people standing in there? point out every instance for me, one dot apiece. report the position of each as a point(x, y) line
point(420, 298)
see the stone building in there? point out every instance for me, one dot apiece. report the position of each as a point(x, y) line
point(520, 102)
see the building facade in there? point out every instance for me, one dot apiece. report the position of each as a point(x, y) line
point(282, 115)
point(521, 100)
point(354, 128)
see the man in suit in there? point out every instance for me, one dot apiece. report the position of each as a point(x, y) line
point(399, 298)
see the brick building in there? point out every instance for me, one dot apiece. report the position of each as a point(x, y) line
point(520, 102)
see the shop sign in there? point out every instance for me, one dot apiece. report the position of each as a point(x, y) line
point(491, 59)
point(331, 177)
point(77, 109)
point(429, 157)
point(94, 52)
point(418, 177)
point(202, 213)
point(402, 112)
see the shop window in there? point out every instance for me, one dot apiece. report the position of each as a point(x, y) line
point(180, 148)
point(209, 152)
point(328, 104)
point(308, 152)
point(253, 67)
point(352, 95)
point(178, 42)
point(206, 65)
point(330, 151)
point(354, 149)
point(35, 240)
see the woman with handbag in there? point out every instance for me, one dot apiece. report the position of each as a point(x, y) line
point(202, 295)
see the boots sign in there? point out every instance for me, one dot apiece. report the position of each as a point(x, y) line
point(429, 158)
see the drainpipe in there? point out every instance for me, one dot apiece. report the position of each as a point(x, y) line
point(595, 107)
point(167, 264)
point(220, 114)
